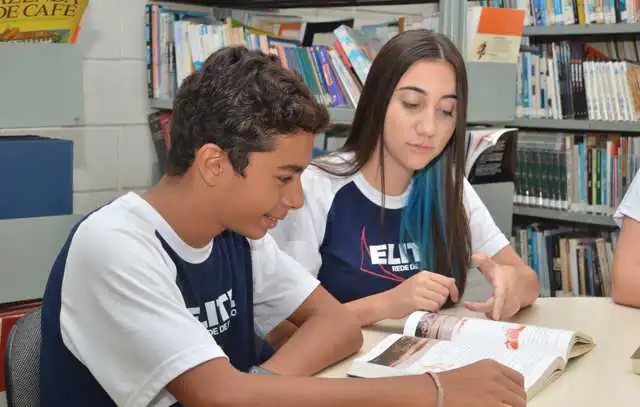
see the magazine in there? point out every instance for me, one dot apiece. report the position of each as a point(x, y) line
point(437, 342)
point(491, 155)
point(41, 21)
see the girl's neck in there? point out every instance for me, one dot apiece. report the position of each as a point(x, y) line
point(396, 177)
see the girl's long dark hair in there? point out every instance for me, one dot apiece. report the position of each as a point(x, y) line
point(434, 217)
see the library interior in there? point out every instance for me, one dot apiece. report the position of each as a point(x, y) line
point(548, 97)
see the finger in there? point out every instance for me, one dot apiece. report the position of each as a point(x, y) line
point(449, 283)
point(480, 306)
point(431, 284)
point(515, 394)
point(516, 390)
point(436, 296)
point(514, 399)
point(485, 263)
point(499, 300)
point(425, 304)
point(513, 375)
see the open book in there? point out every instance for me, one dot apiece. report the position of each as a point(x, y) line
point(437, 342)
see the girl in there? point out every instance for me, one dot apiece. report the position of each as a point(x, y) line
point(390, 223)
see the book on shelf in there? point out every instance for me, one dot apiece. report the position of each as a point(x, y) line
point(576, 80)
point(491, 155)
point(159, 126)
point(587, 173)
point(569, 261)
point(568, 12)
point(494, 34)
point(437, 342)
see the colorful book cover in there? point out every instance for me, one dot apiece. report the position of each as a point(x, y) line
point(494, 34)
point(41, 20)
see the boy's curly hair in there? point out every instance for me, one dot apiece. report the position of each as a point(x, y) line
point(240, 100)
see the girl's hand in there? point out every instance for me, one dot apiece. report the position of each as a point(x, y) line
point(425, 291)
point(505, 301)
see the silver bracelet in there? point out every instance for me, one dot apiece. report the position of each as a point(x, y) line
point(440, 396)
point(260, 370)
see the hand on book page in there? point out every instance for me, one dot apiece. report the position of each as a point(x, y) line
point(505, 301)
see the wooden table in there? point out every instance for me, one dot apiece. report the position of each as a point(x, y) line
point(601, 378)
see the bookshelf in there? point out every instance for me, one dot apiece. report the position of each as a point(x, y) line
point(571, 125)
point(275, 4)
point(339, 115)
point(597, 128)
point(564, 216)
point(581, 30)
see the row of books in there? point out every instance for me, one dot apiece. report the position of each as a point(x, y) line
point(566, 12)
point(178, 43)
point(568, 261)
point(562, 80)
point(581, 173)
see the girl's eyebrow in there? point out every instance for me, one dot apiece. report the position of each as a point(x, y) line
point(424, 92)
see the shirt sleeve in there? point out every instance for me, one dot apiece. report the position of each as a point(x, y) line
point(280, 284)
point(486, 237)
point(124, 318)
point(301, 233)
point(630, 205)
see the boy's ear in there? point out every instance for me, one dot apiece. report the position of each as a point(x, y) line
point(212, 163)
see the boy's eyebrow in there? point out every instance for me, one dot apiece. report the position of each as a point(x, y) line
point(424, 92)
point(292, 168)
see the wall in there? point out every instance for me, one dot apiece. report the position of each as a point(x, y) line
point(112, 152)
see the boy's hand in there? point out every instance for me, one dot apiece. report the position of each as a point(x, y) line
point(486, 383)
point(425, 291)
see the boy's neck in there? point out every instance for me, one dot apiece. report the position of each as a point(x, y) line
point(176, 200)
point(396, 178)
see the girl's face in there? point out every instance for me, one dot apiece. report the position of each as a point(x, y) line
point(421, 115)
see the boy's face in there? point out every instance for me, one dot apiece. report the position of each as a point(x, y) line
point(270, 187)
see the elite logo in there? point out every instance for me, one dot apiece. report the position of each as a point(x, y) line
point(218, 313)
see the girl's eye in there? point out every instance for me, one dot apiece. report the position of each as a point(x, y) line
point(409, 105)
point(448, 113)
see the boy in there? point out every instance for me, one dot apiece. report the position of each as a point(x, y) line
point(153, 299)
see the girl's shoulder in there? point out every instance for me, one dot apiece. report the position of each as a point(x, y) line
point(337, 167)
point(327, 174)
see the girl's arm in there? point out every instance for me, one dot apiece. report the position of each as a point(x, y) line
point(626, 265)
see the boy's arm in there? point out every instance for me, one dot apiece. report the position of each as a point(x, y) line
point(215, 383)
point(324, 332)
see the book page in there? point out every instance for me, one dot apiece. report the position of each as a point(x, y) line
point(399, 354)
point(511, 336)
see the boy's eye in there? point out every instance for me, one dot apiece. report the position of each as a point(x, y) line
point(285, 179)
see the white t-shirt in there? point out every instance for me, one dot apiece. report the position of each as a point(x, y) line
point(338, 235)
point(630, 205)
point(129, 306)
